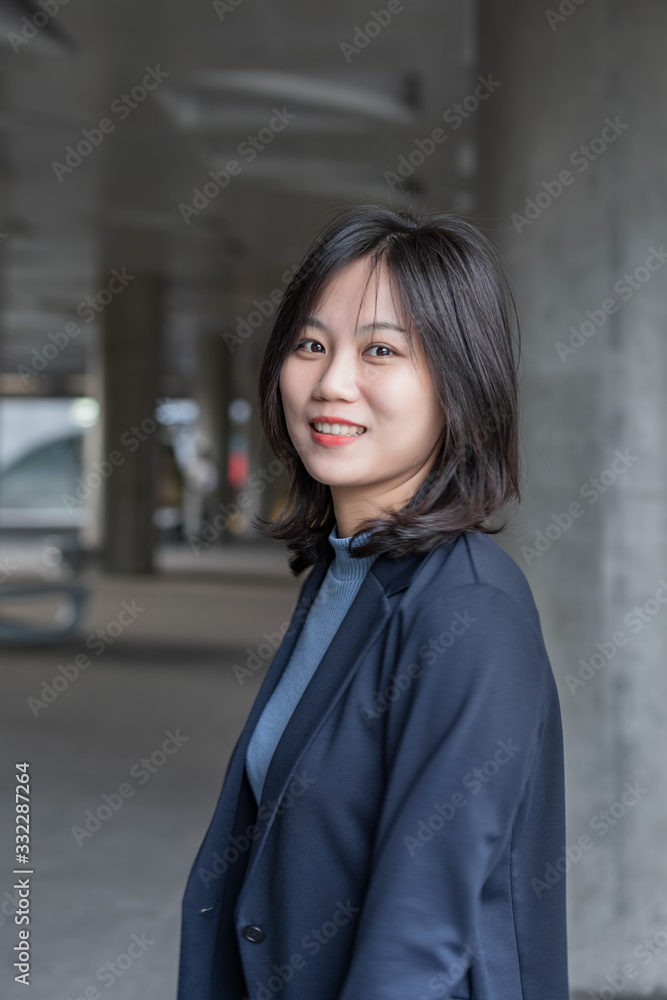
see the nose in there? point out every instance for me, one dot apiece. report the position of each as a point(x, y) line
point(339, 377)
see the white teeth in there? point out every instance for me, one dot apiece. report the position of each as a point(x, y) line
point(342, 430)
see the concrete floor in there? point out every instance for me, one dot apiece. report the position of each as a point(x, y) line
point(169, 670)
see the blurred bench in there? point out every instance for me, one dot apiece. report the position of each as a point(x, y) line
point(17, 631)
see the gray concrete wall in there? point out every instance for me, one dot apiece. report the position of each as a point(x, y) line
point(564, 73)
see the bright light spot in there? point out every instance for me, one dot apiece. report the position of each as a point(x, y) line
point(240, 411)
point(177, 411)
point(84, 412)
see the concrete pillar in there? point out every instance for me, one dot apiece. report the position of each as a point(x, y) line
point(572, 160)
point(213, 396)
point(131, 338)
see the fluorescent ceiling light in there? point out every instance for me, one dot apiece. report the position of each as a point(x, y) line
point(324, 93)
point(192, 113)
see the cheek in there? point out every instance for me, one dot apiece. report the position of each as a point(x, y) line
point(401, 395)
point(424, 403)
point(409, 408)
point(288, 386)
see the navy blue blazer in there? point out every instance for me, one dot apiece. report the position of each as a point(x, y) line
point(415, 793)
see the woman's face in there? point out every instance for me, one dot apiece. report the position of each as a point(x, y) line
point(350, 368)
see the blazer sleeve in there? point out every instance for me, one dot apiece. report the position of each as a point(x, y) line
point(463, 741)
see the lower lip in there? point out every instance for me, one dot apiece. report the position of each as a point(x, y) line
point(334, 440)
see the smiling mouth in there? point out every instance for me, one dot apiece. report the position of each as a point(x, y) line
point(340, 430)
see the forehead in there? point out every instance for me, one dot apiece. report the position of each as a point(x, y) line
point(361, 288)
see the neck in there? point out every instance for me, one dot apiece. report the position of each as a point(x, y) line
point(355, 504)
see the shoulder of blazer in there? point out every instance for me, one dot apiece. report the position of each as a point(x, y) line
point(473, 557)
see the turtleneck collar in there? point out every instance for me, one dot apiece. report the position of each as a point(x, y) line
point(346, 566)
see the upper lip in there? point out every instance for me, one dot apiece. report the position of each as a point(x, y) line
point(334, 420)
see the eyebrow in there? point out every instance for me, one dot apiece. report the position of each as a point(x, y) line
point(366, 328)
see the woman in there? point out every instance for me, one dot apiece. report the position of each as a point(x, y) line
point(397, 791)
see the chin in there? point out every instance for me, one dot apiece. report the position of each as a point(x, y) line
point(329, 477)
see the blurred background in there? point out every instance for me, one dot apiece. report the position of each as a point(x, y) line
point(162, 167)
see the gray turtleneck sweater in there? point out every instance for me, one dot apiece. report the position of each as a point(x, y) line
point(334, 597)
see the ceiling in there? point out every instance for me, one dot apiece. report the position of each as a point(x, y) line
point(219, 72)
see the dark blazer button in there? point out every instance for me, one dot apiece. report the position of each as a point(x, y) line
point(254, 934)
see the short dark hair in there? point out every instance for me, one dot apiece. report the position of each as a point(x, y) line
point(451, 284)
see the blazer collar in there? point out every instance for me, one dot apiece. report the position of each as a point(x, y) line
point(364, 622)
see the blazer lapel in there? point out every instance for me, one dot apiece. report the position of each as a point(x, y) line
point(363, 623)
point(236, 801)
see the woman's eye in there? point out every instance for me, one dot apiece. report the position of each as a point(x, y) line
point(306, 341)
point(381, 347)
point(310, 346)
